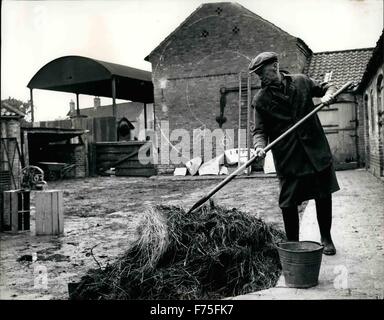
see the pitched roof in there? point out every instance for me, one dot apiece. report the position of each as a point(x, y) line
point(7, 111)
point(376, 59)
point(345, 65)
point(236, 5)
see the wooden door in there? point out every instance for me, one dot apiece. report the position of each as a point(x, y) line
point(339, 123)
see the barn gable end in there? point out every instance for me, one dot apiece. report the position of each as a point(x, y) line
point(226, 35)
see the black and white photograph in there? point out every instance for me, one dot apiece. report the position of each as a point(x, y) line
point(192, 154)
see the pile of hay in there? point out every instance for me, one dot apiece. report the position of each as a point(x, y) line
point(210, 254)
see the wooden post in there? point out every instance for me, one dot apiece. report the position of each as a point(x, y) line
point(84, 139)
point(49, 212)
point(92, 159)
point(25, 148)
point(32, 106)
point(114, 97)
point(145, 121)
point(77, 105)
point(239, 131)
point(248, 120)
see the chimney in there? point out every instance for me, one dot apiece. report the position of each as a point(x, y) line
point(96, 102)
point(72, 110)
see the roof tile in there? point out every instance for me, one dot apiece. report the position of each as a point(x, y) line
point(346, 65)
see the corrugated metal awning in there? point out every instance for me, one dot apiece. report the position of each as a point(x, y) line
point(82, 75)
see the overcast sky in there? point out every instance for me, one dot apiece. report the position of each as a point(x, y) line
point(36, 32)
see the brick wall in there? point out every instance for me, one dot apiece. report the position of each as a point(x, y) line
point(373, 123)
point(207, 53)
point(80, 159)
point(360, 131)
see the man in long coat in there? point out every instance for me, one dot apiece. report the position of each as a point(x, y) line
point(303, 159)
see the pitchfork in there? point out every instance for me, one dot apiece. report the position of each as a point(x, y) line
point(266, 149)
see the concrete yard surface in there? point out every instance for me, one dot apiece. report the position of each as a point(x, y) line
point(357, 269)
point(101, 216)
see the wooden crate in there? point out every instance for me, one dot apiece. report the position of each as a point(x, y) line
point(16, 210)
point(5, 184)
point(49, 212)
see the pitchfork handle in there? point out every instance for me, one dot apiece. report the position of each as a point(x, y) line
point(266, 149)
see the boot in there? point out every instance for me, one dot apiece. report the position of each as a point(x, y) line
point(324, 218)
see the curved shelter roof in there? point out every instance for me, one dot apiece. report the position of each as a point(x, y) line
point(82, 75)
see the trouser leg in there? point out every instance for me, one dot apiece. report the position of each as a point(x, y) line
point(324, 216)
point(291, 222)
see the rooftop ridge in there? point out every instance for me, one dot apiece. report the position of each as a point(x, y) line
point(344, 50)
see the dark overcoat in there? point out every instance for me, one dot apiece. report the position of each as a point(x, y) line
point(279, 107)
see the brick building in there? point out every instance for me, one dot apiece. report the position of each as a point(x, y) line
point(204, 62)
point(205, 55)
point(372, 111)
point(342, 121)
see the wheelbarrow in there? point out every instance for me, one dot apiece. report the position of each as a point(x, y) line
point(56, 170)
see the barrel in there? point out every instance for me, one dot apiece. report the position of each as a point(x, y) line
point(300, 261)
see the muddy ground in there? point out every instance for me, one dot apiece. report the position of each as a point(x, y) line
point(101, 215)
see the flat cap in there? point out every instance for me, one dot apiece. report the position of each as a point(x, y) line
point(261, 60)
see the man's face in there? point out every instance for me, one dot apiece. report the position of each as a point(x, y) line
point(268, 73)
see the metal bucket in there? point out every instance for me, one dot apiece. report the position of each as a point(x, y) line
point(301, 262)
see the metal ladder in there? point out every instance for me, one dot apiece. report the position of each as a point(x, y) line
point(245, 113)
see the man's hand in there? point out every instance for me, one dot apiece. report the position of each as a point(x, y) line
point(327, 99)
point(260, 152)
